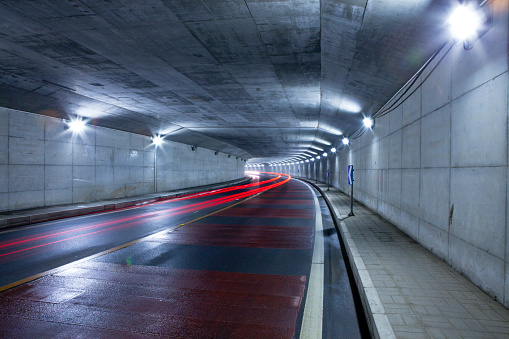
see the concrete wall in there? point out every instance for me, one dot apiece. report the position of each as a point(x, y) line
point(43, 164)
point(437, 167)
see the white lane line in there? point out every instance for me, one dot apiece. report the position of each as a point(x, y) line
point(313, 309)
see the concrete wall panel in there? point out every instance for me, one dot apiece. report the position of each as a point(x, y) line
point(410, 224)
point(4, 179)
point(434, 239)
point(395, 119)
point(136, 158)
point(412, 108)
point(26, 125)
point(55, 130)
point(410, 182)
point(58, 196)
point(104, 156)
point(57, 177)
point(57, 153)
point(434, 196)
point(436, 89)
point(4, 122)
point(383, 127)
point(479, 126)
point(138, 142)
point(26, 151)
point(411, 147)
point(25, 199)
point(104, 175)
point(436, 138)
point(484, 269)
point(4, 150)
point(394, 197)
point(83, 155)
point(42, 163)
point(395, 149)
point(454, 151)
point(104, 138)
point(26, 178)
point(479, 198)
point(487, 60)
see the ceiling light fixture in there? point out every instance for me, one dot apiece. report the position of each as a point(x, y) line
point(368, 122)
point(346, 141)
point(467, 23)
point(76, 125)
point(157, 140)
point(333, 150)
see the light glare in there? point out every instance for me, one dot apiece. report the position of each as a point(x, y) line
point(333, 150)
point(349, 106)
point(464, 22)
point(346, 141)
point(157, 140)
point(76, 125)
point(368, 122)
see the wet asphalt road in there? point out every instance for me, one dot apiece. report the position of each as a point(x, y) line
point(241, 272)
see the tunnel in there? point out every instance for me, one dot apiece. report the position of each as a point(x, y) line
point(254, 168)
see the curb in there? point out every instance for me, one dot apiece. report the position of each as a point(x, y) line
point(54, 213)
point(377, 319)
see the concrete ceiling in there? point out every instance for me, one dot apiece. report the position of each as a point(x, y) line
point(259, 79)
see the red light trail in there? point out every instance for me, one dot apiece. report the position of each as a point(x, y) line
point(151, 215)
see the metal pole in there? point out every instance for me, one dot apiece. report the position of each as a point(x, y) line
point(351, 203)
point(155, 168)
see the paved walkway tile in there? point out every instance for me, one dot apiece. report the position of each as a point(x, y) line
point(417, 294)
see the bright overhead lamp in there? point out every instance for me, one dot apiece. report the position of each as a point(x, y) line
point(312, 159)
point(318, 157)
point(368, 122)
point(324, 154)
point(307, 160)
point(346, 141)
point(333, 150)
point(157, 140)
point(76, 125)
point(466, 23)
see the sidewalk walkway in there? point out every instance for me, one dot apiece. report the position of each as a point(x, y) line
point(410, 292)
point(34, 215)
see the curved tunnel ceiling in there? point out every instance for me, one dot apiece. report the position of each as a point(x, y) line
point(259, 79)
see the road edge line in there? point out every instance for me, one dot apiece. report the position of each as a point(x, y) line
point(312, 319)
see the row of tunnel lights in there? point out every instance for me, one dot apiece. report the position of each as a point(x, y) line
point(368, 123)
point(77, 126)
point(465, 23)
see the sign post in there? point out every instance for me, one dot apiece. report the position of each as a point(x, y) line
point(327, 180)
point(350, 182)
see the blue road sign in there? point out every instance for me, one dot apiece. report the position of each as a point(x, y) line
point(350, 174)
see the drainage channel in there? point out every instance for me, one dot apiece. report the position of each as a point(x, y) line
point(343, 314)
